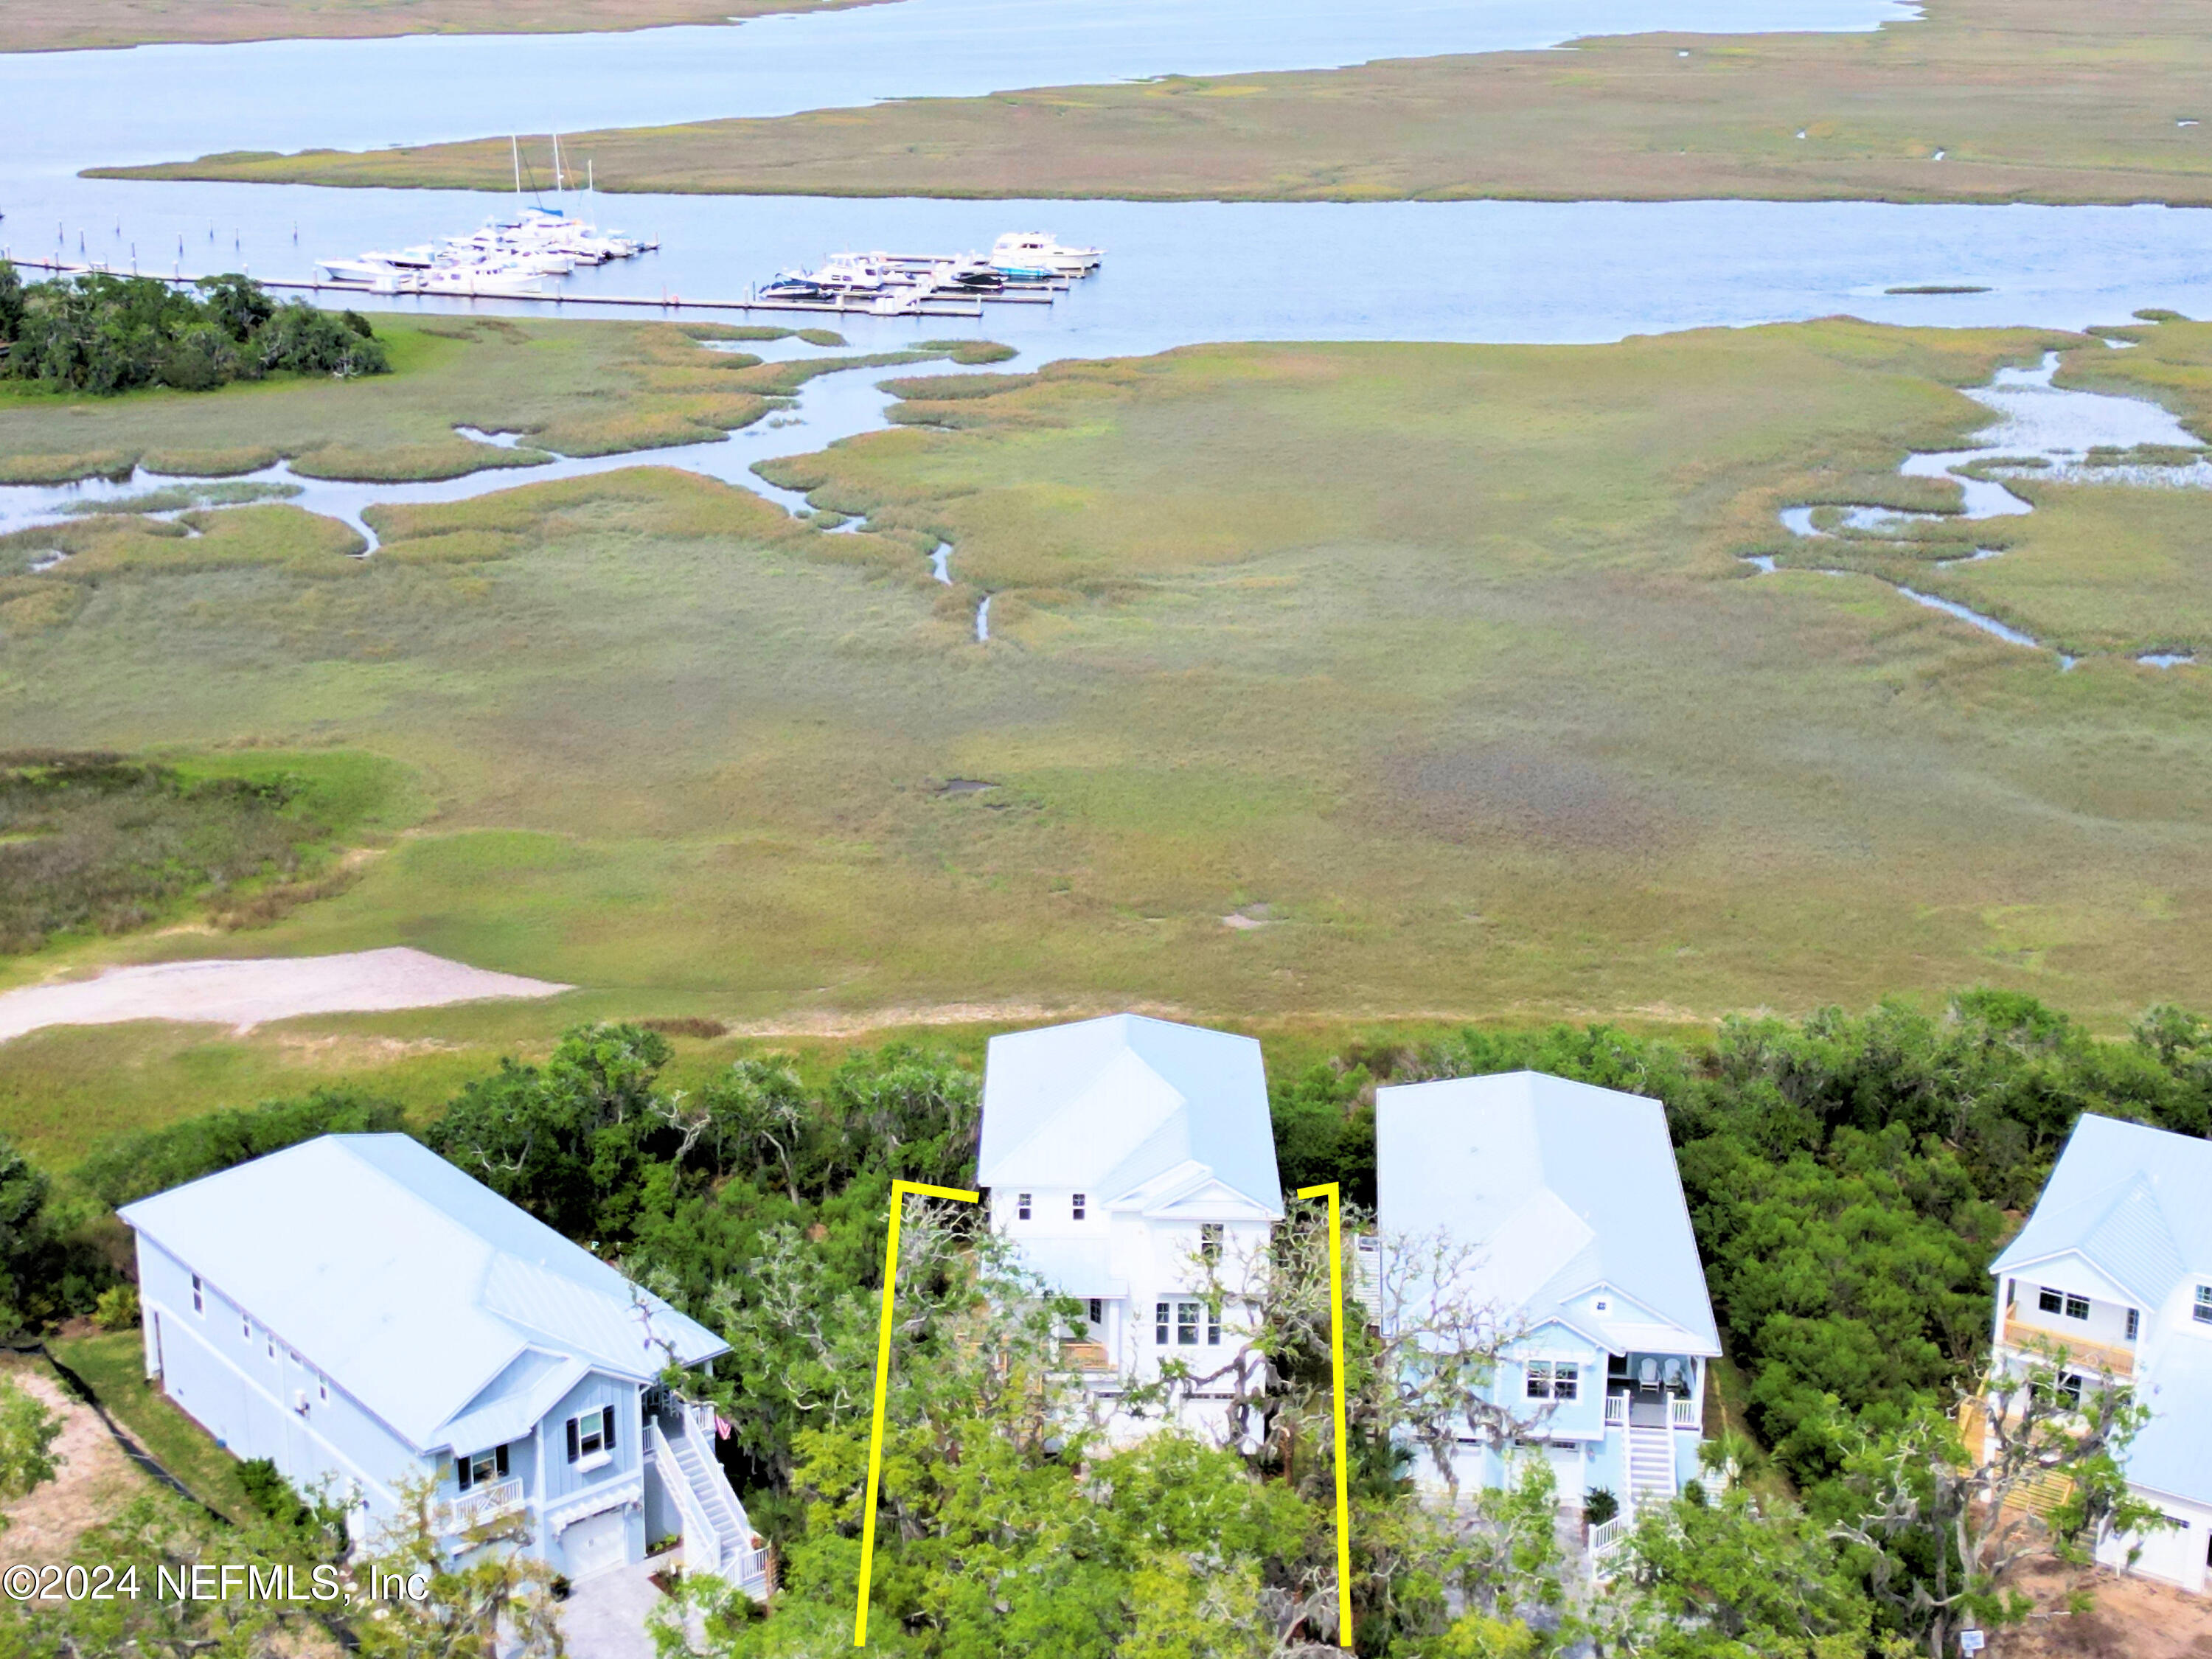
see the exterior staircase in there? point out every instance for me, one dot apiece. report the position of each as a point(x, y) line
point(1650, 1464)
point(718, 1535)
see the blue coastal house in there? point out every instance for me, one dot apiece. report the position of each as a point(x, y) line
point(1558, 1208)
point(363, 1314)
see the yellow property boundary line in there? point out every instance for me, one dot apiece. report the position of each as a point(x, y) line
point(899, 1191)
point(1328, 1189)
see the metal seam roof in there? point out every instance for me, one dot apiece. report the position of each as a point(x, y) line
point(1557, 1187)
point(409, 1285)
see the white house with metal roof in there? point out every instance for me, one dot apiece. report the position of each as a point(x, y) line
point(366, 1316)
point(1556, 1208)
point(2115, 1266)
point(1121, 1154)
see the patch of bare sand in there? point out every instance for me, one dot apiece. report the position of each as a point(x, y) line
point(2131, 1619)
point(94, 1480)
point(243, 994)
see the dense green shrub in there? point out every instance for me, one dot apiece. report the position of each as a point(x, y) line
point(154, 1160)
point(105, 334)
point(1848, 1174)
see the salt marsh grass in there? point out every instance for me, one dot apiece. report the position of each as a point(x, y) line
point(1446, 655)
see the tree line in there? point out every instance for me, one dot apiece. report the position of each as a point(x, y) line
point(1848, 1176)
point(99, 333)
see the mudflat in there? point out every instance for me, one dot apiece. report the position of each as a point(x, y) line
point(1982, 101)
point(70, 25)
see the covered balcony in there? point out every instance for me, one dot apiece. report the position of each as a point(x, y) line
point(1654, 1390)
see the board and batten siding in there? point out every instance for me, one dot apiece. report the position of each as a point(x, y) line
point(596, 1392)
point(217, 1365)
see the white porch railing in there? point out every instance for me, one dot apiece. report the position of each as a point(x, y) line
point(702, 1544)
point(1606, 1539)
point(708, 1548)
point(1616, 1409)
point(480, 1506)
point(1684, 1412)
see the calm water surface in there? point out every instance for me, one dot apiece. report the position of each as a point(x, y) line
point(62, 111)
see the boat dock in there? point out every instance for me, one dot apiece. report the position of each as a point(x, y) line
point(908, 306)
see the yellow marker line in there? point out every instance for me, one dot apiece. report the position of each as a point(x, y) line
point(1328, 1190)
point(899, 1191)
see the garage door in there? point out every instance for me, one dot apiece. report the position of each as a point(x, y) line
point(595, 1544)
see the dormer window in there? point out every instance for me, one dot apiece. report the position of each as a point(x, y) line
point(1076, 1207)
point(1021, 1207)
point(592, 1438)
point(2203, 1308)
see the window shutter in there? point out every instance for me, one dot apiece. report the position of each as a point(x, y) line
point(571, 1440)
point(607, 1418)
point(499, 1458)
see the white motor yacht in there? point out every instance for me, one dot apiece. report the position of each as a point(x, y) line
point(1040, 254)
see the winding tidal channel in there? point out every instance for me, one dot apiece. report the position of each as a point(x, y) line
point(2043, 432)
point(1176, 274)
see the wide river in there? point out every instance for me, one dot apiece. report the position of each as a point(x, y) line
point(1176, 273)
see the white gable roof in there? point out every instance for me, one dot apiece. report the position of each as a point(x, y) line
point(1109, 1106)
point(2135, 1202)
point(1557, 1189)
point(421, 1292)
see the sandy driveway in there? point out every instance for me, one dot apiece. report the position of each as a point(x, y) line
point(242, 994)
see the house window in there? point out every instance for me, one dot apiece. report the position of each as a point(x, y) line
point(2135, 1322)
point(481, 1469)
point(2203, 1308)
point(1097, 1311)
point(199, 1298)
point(1188, 1319)
point(245, 1327)
point(322, 1389)
point(1021, 1207)
point(591, 1437)
point(1209, 1239)
point(2062, 1302)
point(272, 1347)
point(1554, 1380)
point(1076, 1207)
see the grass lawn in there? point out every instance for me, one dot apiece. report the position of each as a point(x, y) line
point(114, 1367)
point(2022, 100)
point(70, 25)
point(1434, 668)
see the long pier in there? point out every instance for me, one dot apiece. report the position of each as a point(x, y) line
point(935, 303)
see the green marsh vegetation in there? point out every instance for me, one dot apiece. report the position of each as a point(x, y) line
point(574, 389)
point(93, 843)
point(74, 25)
point(1440, 662)
point(2027, 99)
point(102, 334)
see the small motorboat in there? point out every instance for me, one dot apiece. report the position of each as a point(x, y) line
point(1038, 255)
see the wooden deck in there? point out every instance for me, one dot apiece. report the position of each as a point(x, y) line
point(2085, 1356)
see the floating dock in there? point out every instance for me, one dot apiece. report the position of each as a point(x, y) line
point(918, 304)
